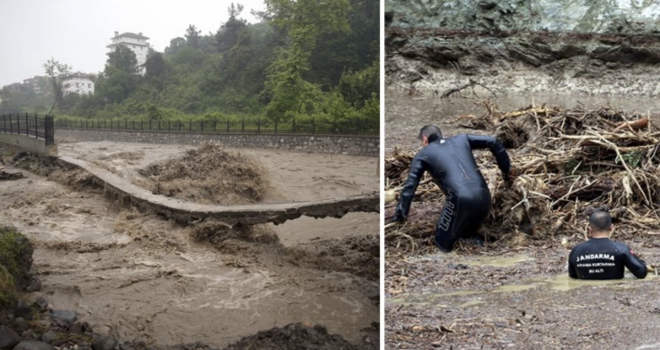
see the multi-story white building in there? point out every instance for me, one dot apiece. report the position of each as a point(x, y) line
point(136, 42)
point(79, 83)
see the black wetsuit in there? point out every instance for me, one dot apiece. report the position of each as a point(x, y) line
point(603, 259)
point(451, 163)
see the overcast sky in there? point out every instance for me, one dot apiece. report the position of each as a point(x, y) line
point(76, 32)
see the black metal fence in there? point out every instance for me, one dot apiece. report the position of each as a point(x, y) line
point(29, 125)
point(359, 126)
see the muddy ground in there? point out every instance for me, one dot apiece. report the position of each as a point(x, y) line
point(501, 295)
point(142, 277)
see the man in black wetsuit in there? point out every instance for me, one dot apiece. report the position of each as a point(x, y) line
point(451, 163)
point(600, 258)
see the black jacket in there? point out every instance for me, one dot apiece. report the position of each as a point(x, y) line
point(451, 163)
point(603, 259)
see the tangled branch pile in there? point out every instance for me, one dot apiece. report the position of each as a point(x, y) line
point(570, 163)
point(209, 174)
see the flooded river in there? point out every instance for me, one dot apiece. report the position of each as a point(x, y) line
point(511, 297)
point(137, 276)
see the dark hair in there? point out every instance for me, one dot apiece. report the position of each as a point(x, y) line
point(600, 221)
point(432, 132)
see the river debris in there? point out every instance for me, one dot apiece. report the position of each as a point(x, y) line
point(209, 174)
point(9, 176)
point(569, 163)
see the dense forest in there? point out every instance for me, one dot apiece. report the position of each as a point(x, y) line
point(303, 59)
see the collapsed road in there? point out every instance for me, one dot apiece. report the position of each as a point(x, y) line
point(244, 214)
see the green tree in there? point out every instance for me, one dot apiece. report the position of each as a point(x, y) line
point(358, 87)
point(156, 69)
point(304, 20)
point(192, 36)
point(123, 59)
point(228, 34)
point(119, 77)
point(57, 73)
point(176, 45)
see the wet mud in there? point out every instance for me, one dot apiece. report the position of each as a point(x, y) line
point(143, 277)
point(513, 294)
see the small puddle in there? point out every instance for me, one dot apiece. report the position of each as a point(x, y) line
point(560, 283)
point(493, 261)
point(498, 261)
point(472, 303)
point(564, 283)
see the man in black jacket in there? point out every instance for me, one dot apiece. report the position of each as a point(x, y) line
point(600, 258)
point(453, 168)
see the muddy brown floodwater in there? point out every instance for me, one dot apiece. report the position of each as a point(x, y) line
point(139, 276)
point(502, 297)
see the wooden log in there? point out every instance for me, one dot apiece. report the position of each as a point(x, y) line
point(634, 125)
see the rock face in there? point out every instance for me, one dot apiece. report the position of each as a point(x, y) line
point(579, 47)
point(8, 338)
point(104, 343)
point(603, 16)
point(66, 316)
point(33, 345)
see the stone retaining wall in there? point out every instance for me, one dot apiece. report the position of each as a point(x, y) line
point(349, 145)
point(27, 143)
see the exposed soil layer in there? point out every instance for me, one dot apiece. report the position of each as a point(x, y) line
point(524, 62)
point(141, 277)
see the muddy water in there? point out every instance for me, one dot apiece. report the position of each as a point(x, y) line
point(137, 276)
point(405, 114)
point(558, 283)
point(294, 177)
point(523, 299)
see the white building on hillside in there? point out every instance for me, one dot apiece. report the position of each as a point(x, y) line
point(136, 42)
point(79, 83)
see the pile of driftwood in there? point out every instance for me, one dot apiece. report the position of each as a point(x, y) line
point(569, 163)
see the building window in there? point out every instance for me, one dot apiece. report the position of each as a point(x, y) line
point(89, 86)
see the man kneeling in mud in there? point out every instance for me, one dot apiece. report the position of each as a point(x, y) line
point(451, 163)
point(600, 258)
